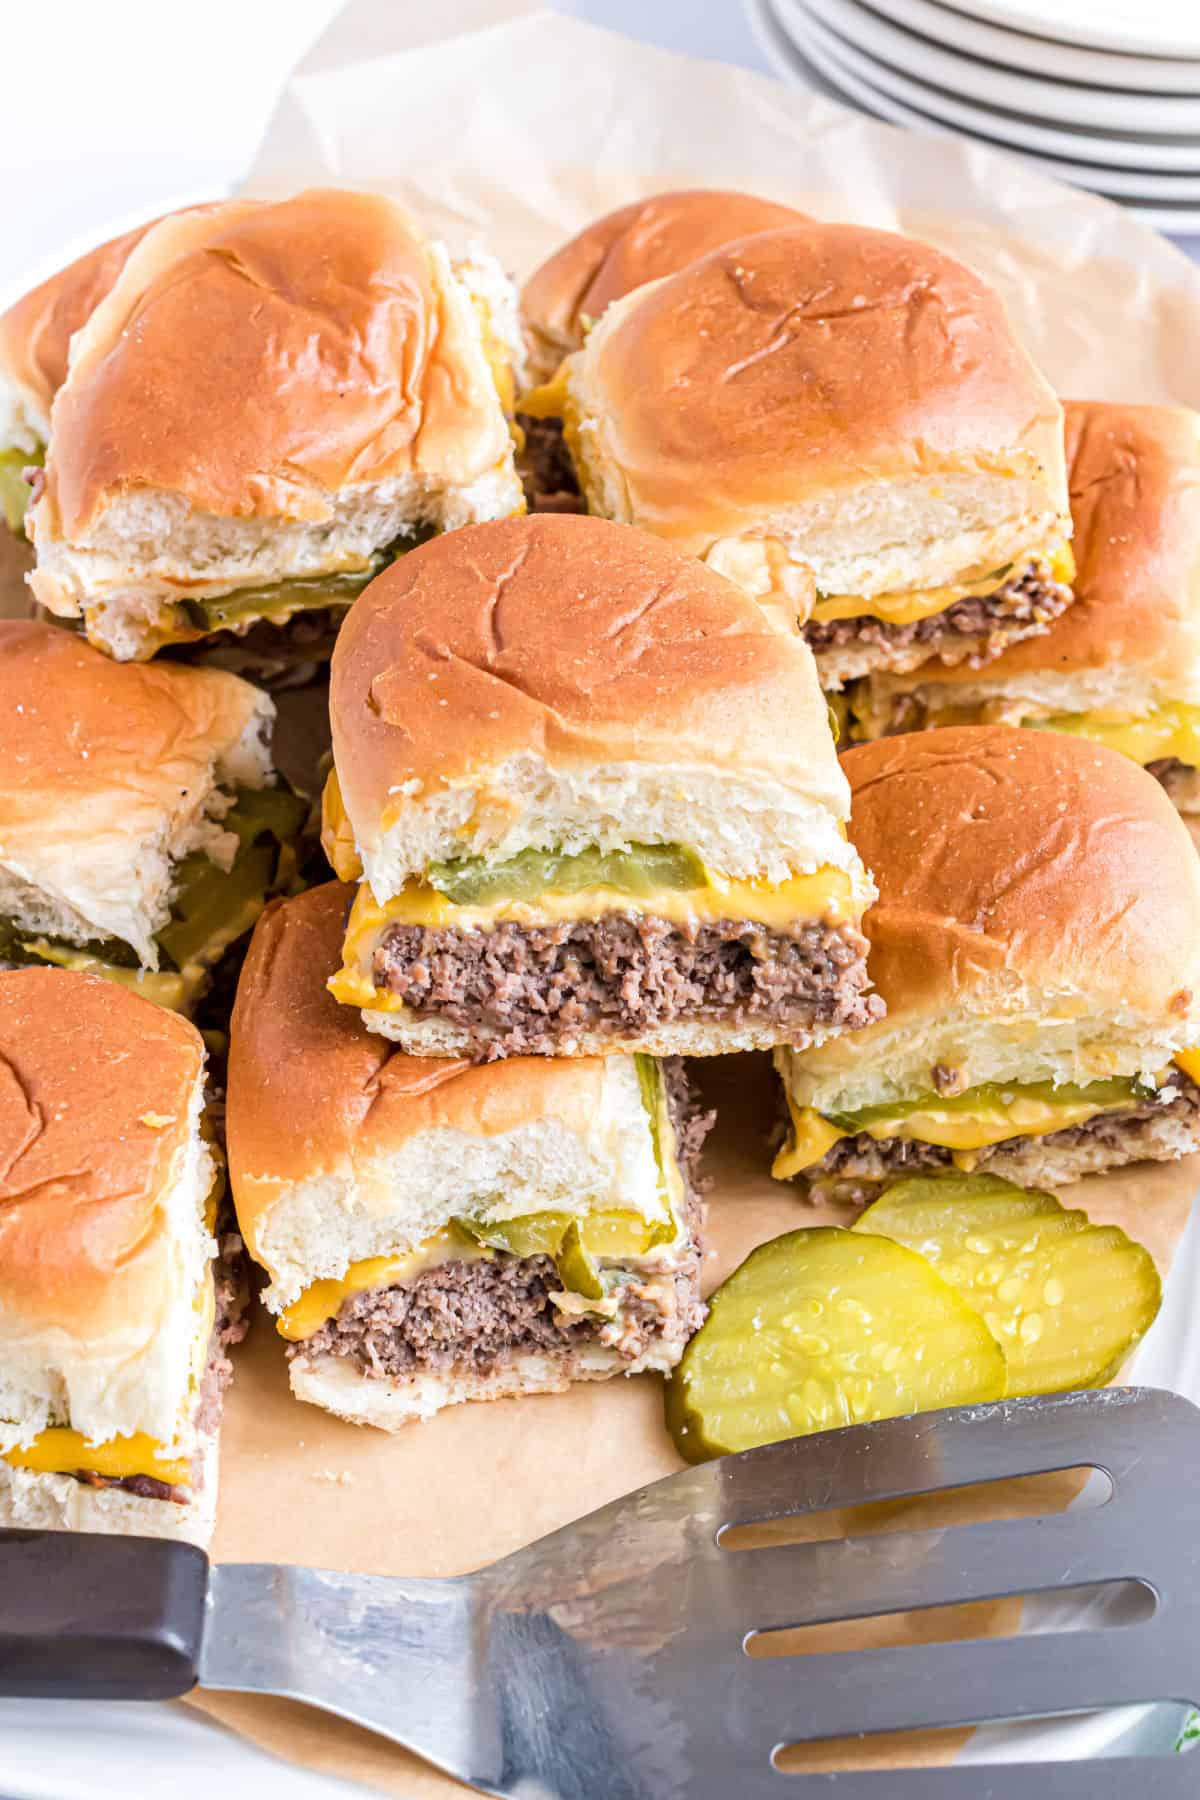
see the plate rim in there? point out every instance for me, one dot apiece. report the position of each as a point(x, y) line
point(990, 86)
point(1002, 12)
point(951, 114)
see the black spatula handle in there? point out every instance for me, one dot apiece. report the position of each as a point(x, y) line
point(85, 1617)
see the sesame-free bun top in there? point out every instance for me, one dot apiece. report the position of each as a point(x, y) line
point(99, 1098)
point(342, 1147)
point(1132, 638)
point(561, 681)
point(1038, 915)
point(843, 389)
point(36, 331)
point(255, 359)
point(634, 244)
point(106, 771)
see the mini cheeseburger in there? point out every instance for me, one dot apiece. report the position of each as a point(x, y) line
point(1122, 666)
point(436, 1232)
point(592, 803)
point(1037, 942)
point(833, 399)
point(271, 403)
point(141, 827)
point(116, 1303)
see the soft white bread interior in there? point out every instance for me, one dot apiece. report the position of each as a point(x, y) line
point(1038, 919)
point(341, 1387)
point(269, 392)
point(822, 395)
point(105, 1247)
point(561, 681)
point(342, 1149)
point(681, 1037)
point(1131, 641)
point(109, 775)
point(32, 1501)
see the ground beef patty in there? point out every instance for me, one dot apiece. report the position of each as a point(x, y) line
point(529, 989)
point(865, 1158)
point(230, 1325)
point(545, 467)
point(1017, 610)
point(477, 1315)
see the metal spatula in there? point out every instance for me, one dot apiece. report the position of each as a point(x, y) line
point(608, 1662)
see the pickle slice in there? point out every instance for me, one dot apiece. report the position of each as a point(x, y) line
point(643, 869)
point(998, 1097)
point(826, 1327)
point(213, 908)
point(300, 592)
point(273, 811)
point(15, 492)
point(1067, 1299)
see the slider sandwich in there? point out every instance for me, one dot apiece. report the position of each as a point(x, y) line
point(1122, 666)
point(437, 1232)
point(271, 403)
point(592, 804)
point(117, 1303)
point(831, 405)
point(141, 827)
point(565, 296)
point(1037, 942)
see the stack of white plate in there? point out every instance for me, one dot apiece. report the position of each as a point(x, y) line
point(1105, 93)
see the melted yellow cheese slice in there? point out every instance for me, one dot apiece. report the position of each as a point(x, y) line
point(963, 1133)
point(175, 992)
point(904, 608)
point(323, 1299)
point(827, 894)
point(60, 1451)
point(1170, 730)
point(337, 833)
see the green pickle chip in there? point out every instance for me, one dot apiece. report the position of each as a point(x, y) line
point(643, 869)
point(1067, 1299)
point(825, 1327)
point(15, 492)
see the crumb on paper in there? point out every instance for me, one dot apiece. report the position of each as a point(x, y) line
point(341, 1477)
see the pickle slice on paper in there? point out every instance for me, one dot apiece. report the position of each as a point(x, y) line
point(826, 1327)
point(1067, 1299)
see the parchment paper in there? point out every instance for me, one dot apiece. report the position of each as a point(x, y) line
point(494, 121)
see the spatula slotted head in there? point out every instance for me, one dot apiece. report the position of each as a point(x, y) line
point(613, 1654)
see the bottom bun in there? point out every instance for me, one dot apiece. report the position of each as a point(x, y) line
point(341, 1388)
point(683, 1037)
point(41, 1502)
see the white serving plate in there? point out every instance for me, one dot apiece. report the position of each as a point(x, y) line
point(1108, 148)
point(1090, 108)
point(1137, 27)
point(893, 97)
point(1042, 56)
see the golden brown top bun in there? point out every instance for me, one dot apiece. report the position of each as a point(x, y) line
point(1011, 859)
point(1135, 499)
point(312, 1091)
point(636, 243)
point(786, 370)
point(97, 1091)
point(560, 679)
point(36, 331)
point(254, 360)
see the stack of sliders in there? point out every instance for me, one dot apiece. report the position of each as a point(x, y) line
point(1122, 666)
point(265, 405)
point(436, 1231)
point(118, 1299)
point(566, 294)
point(595, 816)
point(1037, 942)
point(843, 422)
point(142, 825)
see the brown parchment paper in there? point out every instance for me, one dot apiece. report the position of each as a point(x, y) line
point(515, 126)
